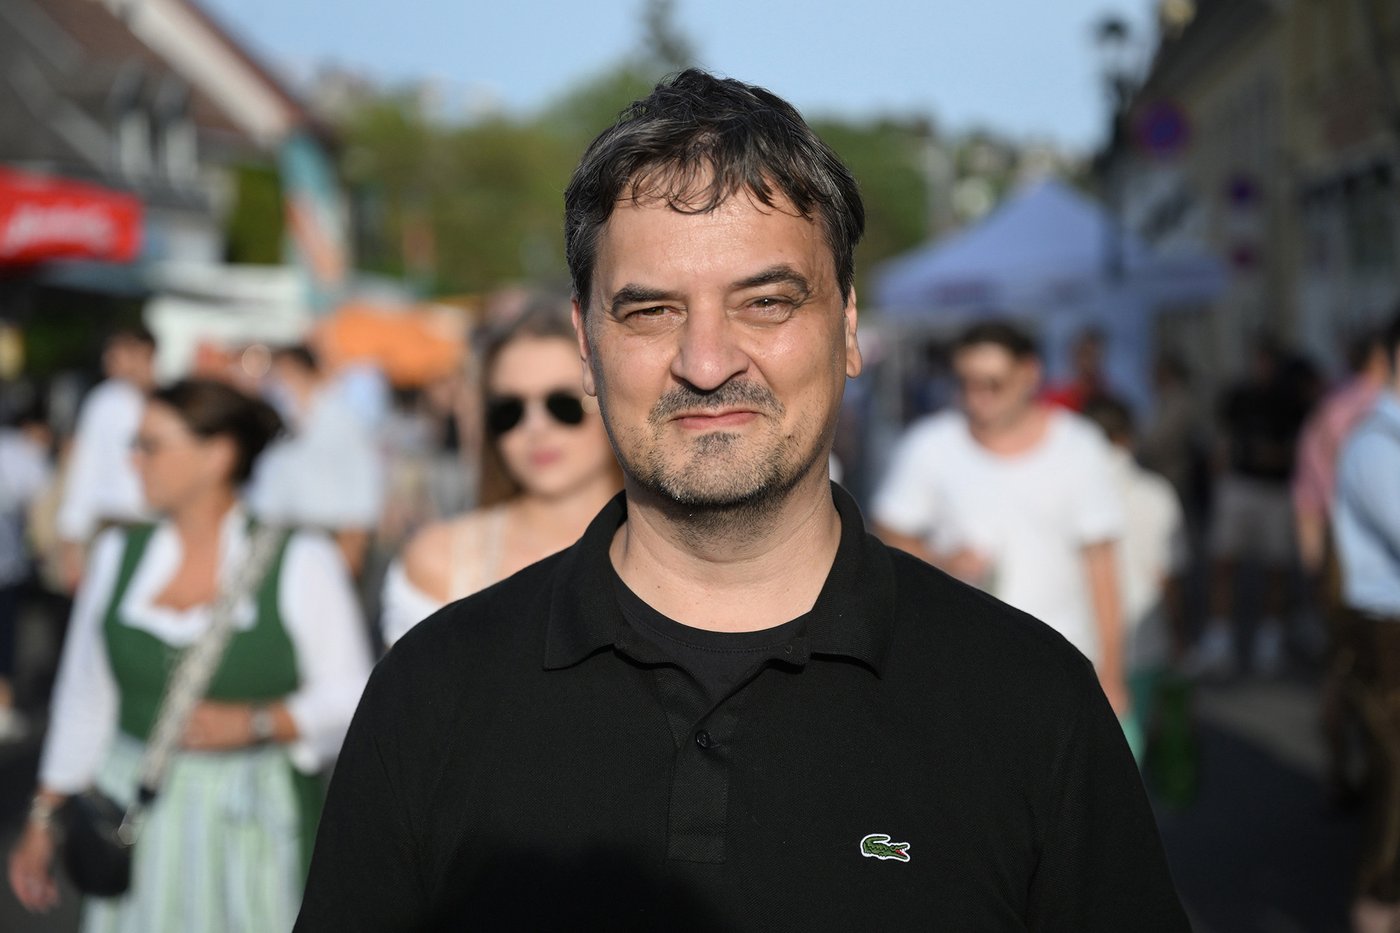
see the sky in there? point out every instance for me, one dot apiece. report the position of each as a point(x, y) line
point(1024, 68)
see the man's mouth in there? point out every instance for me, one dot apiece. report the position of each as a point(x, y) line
point(713, 419)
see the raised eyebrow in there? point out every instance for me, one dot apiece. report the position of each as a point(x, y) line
point(776, 275)
point(637, 294)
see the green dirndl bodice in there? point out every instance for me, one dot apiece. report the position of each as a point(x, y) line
point(225, 847)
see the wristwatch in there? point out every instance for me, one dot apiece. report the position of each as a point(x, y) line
point(263, 724)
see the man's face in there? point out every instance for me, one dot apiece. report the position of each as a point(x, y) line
point(124, 358)
point(718, 345)
point(996, 388)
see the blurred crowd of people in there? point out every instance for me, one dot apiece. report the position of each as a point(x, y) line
point(1059, 499)
point(1050, 498)
point(394, 503)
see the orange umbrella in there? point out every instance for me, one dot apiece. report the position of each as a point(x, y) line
point(412, 346)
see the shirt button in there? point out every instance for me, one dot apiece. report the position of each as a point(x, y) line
point(702, 738)
point(787, 649)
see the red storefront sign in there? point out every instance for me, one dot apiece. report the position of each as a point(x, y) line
point(45, 218)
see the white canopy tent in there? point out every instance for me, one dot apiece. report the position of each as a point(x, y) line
point(1045, 257)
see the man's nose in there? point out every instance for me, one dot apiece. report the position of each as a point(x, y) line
point(710, 352)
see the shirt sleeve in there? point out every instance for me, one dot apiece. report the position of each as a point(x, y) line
point(908, 500)
point(1098, 505)
point(366, 873)
point(77, 513)
point(84, 716)
point(1372, 483)
point(1101, 866)
point(322, 616)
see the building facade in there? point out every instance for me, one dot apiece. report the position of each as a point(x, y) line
point(1287, 167)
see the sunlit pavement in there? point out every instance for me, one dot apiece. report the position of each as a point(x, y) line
point(1256, 851)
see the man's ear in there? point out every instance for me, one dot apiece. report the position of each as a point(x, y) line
point(585, 352)
point(854, 362)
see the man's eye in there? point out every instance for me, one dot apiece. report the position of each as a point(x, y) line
point(771, 305)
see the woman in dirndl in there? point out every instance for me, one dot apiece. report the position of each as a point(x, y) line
point(226, 844)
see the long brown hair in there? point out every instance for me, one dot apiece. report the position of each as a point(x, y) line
point(542, 318)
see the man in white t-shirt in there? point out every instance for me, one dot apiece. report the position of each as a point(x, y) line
point(100, 484)
point(1016, 497)
point(327, 473)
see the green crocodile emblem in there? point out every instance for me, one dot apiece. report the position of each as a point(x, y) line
point(878, 845)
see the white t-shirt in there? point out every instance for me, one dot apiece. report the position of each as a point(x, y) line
point(1030, 514)
point(101, 482)
point(327, 475)
point(1153, 548)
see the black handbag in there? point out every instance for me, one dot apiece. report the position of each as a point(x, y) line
point(99, 834)
point(97, 844)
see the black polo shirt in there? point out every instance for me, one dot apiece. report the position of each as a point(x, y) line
point(923, 755)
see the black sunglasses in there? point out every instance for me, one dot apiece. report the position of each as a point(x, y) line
point(505, 412)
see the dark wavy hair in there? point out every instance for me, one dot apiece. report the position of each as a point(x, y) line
point(1001, 333)
point(215, 409)
point(694, 142)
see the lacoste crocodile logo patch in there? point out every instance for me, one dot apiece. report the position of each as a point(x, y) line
point(878, 845)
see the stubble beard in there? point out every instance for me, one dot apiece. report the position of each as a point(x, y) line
point(718, 489)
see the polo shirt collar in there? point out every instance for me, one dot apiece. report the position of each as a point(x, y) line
point(853, 616)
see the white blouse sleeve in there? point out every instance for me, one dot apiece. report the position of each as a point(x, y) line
point(77, 512)
point(319, 609)
point(404, 605)
point(84, 716)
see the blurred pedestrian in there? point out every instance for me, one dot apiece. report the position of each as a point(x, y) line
point(1087, 382)
point(727, 707)
point(224, 847)
point(1168, 443)
point(1320, 444)
point(1366, 525)
point(327, 474)
point(1314, 486)
point(1015, 496)
point(100, 485)
point(1252, 519)
point(1152, 556)
point(547, 469)
point(25, 471)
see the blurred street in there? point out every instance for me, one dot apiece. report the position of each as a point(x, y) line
point(1258, 852)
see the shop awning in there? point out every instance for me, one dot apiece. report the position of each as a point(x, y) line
point(44, 218)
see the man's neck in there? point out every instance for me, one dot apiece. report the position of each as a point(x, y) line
point(723, 576)
point(1016, 435)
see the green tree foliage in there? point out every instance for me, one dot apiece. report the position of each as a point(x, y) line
point(491, 191)
point(254, 225)
point(885, 158)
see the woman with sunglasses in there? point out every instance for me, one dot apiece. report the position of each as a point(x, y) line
point(547, 469)
point(226, 844)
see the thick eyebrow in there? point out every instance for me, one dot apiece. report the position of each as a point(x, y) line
point(631, 294)
point(781, 274)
